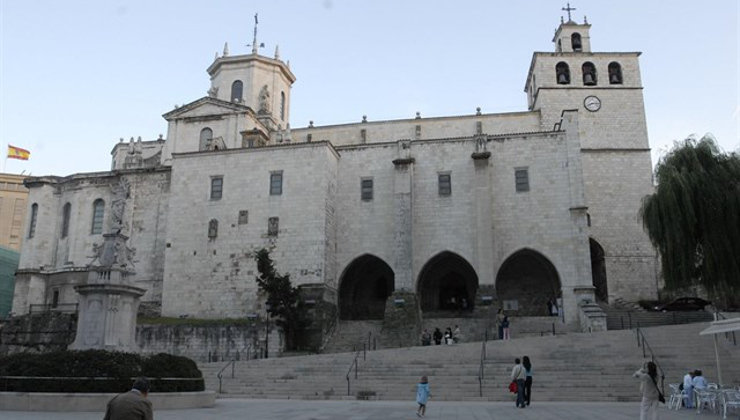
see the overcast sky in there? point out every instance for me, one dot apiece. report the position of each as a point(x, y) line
point(75, 76)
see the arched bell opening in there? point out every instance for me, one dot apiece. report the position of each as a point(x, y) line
point(527, 281)
point(598, 271)
point(364, 288)
point(447, 282)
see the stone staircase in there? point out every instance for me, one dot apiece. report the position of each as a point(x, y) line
point(620, 318)
point(351, 335)
point(574, 366)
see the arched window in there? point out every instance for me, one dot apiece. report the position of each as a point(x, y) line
point(282, 106)
point(212, 229)
point(562, 73)
point(65, 219)
point(615, 73)
point(206, 135)
point(575, 42)
point(589, 73)
point(32, 222)
point(236, 91)
point(97, 219)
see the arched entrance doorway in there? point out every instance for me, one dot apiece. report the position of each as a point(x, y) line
point(598, 270)
point(526, 281)
point(447, 283)
point(364, 287)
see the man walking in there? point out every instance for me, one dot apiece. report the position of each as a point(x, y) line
point(132, 405)
point(518, 375)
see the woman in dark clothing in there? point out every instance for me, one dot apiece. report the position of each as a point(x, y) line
point(437, 336)
point(528, 381)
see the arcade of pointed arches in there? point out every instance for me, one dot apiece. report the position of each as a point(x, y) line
point(526, 280)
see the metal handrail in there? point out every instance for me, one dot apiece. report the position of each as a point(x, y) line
point(727, 334)
point(354, 364)
point(232, 363)
point(642, 342)
point(481, 370)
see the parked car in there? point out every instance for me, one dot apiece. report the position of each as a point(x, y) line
point(683, 304)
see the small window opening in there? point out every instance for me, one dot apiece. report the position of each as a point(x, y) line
point(366, 188)
point(444, 182)
point(236, 91)
point(521, 179)
point(589, 73)
point(575, 41)
point(562, 73)
point(615, 73)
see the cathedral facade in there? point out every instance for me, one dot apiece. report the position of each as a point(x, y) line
point(509, 209)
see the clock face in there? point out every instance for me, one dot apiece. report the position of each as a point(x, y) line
point(592, 103)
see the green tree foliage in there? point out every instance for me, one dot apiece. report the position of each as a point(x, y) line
point(283, 299)
point(693, 218)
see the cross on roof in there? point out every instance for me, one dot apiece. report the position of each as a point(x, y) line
point(568, 9)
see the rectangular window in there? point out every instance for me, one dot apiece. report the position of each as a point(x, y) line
point(273, 225)
point(276, 183)
point(366, 189)
point(445, 184)
point(32, 222)
point(55, 298)
point(243, 217)
point(521, 179)
point(98, 213)
point(66, 212)
point(217, 187)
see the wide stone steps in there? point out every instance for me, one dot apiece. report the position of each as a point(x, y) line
point(588, 367)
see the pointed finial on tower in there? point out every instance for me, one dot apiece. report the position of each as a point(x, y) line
point(277, 52)
point(216, 56)
point(585, 20)
point(226, 49)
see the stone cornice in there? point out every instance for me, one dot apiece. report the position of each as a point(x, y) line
point(231, 106)
point(267, 148)
point(236, 59)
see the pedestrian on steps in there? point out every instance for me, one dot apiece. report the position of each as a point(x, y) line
point(505, 326)
point(499, 323)
point(648, 375)
point(437, 336)
point(518, 375)
point(528, 381)
point(422, 395)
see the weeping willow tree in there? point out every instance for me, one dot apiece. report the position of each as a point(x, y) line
point(693, 218)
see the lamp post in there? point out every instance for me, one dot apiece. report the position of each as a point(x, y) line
point(267, 328)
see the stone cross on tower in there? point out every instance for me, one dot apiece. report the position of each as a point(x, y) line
point(567, 9)
point(254, 39)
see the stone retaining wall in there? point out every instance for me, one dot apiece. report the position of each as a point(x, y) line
point(64, 402)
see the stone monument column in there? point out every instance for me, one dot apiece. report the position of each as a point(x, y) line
point(402, 323)
point(109, 301)
point(483, 251)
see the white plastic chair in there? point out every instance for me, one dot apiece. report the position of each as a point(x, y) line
point(674, 401)
point(705, 397)
point(730, 399)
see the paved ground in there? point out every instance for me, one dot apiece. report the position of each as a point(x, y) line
point(385, 410)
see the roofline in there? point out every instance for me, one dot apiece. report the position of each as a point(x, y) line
point(258, 149)
point(446, 117)
point(36, 181)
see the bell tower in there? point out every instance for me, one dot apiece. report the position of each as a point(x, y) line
point(606, 90)
point(259, 82)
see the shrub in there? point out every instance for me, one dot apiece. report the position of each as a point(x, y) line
point(96, 371)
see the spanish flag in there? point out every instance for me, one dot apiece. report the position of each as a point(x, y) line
point(18, 153)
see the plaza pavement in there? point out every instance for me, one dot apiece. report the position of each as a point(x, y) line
point(247, 409)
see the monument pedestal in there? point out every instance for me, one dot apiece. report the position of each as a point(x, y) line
point(107, 317)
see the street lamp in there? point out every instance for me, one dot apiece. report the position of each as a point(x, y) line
point(267, 328)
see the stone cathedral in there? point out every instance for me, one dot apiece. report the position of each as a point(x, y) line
point(435, 214)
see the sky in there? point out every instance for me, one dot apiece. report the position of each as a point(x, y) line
point(76, 75)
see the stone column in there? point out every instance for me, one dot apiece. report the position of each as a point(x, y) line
point(403, 237)
point(483, 252)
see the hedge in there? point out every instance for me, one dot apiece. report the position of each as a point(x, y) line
point(92, 371)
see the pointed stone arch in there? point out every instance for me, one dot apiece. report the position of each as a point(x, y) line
point(528, 278)
point(447, 282)
point(364, 288)
point(598, 271)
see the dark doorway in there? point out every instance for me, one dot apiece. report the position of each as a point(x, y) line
point(447, 283)
point(530, 280)
point(364, 287)
point(598, 271)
